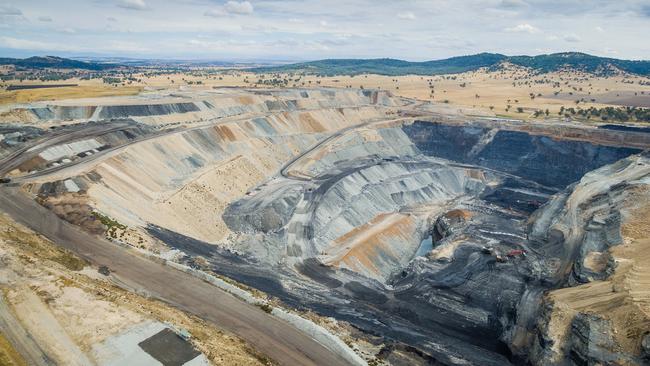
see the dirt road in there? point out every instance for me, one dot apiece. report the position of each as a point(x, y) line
point(269, 335)
point(286, 166)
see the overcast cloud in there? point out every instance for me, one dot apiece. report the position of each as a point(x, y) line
point(306, 30)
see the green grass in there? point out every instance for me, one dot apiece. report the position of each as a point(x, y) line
point(108, 222)
point(111, 224)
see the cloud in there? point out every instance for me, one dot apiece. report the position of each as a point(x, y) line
point(220, 45)
point(26, 44)
point(573, 38)
point(237, 7)
point(126, 46)
point(231, 7)
point(512, 4)
point(109, 46)
point(523, 28)
point(645, 10)
point(391, 30)
point(10, 17)
point(259, 28)
point(10, 10)
point(132, 4)
point(406, 15)
point(215, 13)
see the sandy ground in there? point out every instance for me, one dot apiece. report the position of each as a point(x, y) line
point(67, 308)
point(207, 196)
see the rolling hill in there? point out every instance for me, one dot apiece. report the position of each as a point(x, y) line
point(42, 62)
point(392, 67)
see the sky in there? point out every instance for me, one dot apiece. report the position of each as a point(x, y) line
point(294, 30)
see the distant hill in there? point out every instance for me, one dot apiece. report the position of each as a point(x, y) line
point(165, 63)
point(581, 61)
point(38, 62)
point(543, 63)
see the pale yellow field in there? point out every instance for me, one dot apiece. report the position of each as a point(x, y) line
point(86, 89)
point(494, 91)
point(490, 92)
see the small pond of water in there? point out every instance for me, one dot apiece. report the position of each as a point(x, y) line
point(425, 247)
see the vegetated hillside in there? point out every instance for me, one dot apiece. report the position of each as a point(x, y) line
point(387, 66)
point(542, 63)
point(41, 62)
point(581, 61)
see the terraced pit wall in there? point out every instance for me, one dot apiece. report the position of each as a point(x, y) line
point(184, 180)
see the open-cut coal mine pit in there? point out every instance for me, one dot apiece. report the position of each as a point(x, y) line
point(430, 235)
point(437, 236)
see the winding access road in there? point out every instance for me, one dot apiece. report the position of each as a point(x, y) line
point(271, 336)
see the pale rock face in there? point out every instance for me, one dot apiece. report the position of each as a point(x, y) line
point(184, 181)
